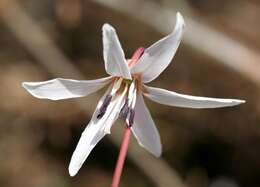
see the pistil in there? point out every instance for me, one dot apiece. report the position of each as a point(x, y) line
point(137, 54)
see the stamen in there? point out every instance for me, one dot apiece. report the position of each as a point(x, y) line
point(125, 109)
point(104, 106)
point(134, 99)
point(131, 90)
point(131, 117)
point(132, 111)
point(116, 86)
point(108, 98)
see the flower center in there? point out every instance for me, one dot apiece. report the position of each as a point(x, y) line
point(132, 86)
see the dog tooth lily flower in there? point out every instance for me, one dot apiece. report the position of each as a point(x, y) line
point(124, 96)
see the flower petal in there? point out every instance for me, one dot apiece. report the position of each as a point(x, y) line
point(114, 57)
point(60, 88)
point(144, 128)
point(180, 100)
point(158, 56)
point(94, 132)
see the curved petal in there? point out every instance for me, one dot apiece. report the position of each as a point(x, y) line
point(144, 128)
point(60, 88)
point(180, 100)
point(158, 56)
point(114, 57)
point(94, 132)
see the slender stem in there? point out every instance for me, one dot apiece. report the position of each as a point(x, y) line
point(121, 157)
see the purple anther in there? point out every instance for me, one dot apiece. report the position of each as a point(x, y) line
point(104, 106)
point(101, 113)
point(131, 117)
point(125, 109)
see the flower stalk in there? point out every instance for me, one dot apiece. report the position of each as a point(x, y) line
point(121, 157)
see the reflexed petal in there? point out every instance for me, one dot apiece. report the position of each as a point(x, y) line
point(158, 56)
point(114, 57)
point(180, 100)
point(94, 132)
point(59, 88)
point(144, 128)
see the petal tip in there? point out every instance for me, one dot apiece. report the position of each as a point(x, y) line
point(238, 102)
point(107, 27)
point(158, 154)
point(159, 151)
point(178, 14)
point(24, 85)
point(72, 171)
point(180, 19)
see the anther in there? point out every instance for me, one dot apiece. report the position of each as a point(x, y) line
point(104, 106)
point(131, 117)
point(125, 109)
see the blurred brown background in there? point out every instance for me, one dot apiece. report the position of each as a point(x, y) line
point(41, 40)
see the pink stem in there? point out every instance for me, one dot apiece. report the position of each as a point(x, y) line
point(121, 157)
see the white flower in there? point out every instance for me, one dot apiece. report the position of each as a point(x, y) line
point(125, 94)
